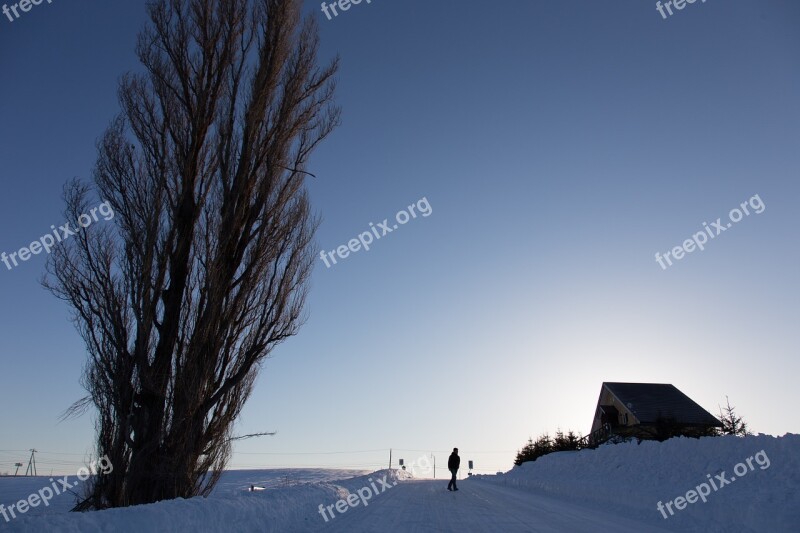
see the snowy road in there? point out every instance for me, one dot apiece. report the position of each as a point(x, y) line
point(426, 506)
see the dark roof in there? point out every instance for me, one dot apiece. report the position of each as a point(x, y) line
point(649, 401)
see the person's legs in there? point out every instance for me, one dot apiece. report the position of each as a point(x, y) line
point(452, 481)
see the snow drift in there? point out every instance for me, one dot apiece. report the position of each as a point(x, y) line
point(630, 479)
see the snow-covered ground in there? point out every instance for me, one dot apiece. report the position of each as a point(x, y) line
point(630, 479)
point(232, 482)
point(611, 488)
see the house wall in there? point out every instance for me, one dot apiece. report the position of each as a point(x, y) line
point(606, 398)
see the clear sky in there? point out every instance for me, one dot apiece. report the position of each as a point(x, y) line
point(559, 145)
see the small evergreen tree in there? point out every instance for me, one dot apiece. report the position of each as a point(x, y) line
point(732, 424)
point(565, 442)
point(534, 449)
point(545, 444)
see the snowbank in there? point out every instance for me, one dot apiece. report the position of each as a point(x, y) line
point(231, 508)
point(631, 479)
point(13, 489)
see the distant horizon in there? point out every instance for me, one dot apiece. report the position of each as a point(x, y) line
point(418, 472)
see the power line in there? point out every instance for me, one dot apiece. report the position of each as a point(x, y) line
point(309, 453)
point(41, 451)
point(61, 461)
point(462, 451)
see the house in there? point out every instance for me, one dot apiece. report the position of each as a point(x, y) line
point(647, 411)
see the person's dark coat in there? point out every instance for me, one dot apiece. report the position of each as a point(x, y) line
point(454, 462)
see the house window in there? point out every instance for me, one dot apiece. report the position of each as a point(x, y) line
point(625, 418)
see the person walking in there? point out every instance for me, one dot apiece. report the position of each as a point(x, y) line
point(452, 464)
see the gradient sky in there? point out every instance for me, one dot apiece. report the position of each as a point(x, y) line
point(560, 146)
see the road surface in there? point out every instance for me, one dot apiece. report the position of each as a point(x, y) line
point(426, 506)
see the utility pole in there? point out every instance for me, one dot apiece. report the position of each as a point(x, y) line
point(18, 465)
point(390, 458)
point(434, 466)
point(32, 464)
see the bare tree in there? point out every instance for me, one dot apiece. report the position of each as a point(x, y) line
point(205, 268)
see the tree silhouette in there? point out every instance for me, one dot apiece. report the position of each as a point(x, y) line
point(205, 268)
point(732, 424)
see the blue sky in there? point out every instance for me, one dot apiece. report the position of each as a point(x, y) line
point(560, 145)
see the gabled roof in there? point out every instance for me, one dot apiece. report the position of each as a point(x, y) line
point(649, 401)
